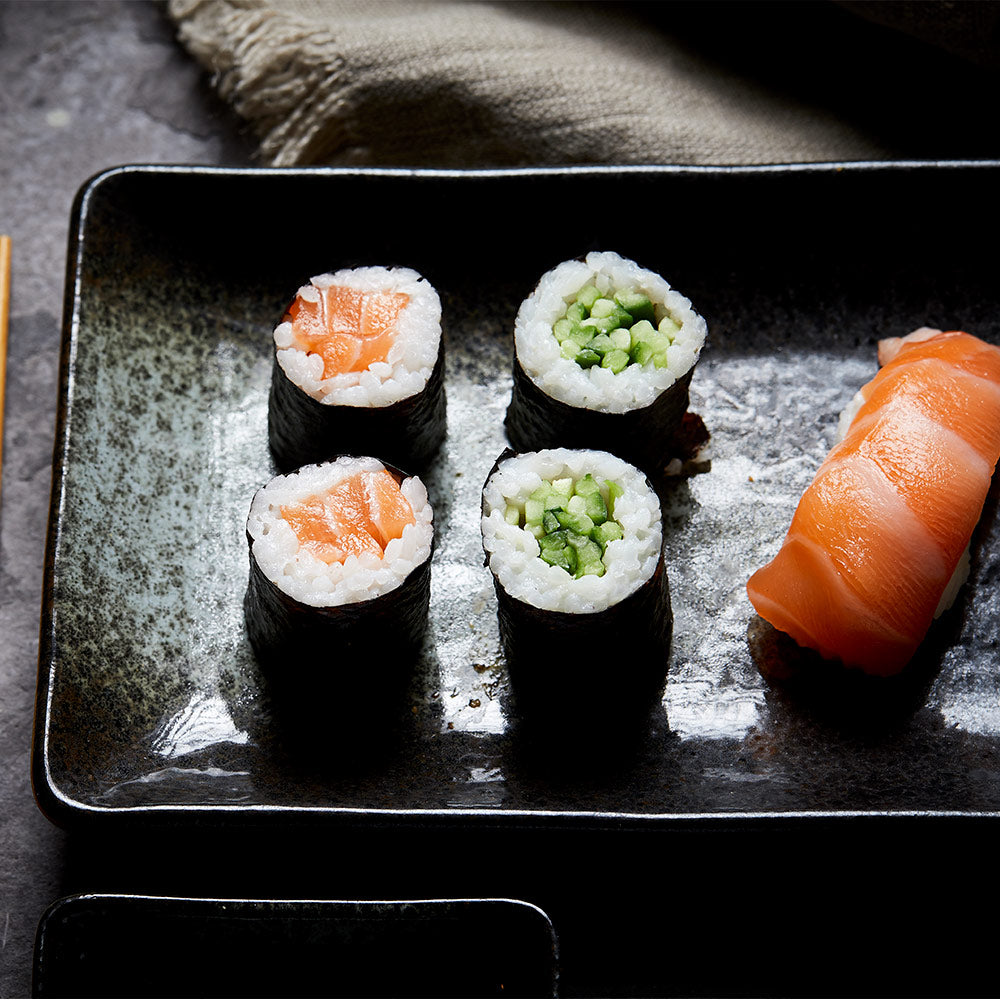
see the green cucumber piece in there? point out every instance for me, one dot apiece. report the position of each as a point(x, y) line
point(637, 304)
point(603, 308)
point(668, 327)
point(588, 295)
point(601, 344)
point(609, 531)
point(643, 353)
point(611, 312)
point(565, 558)
point(563, 328)
point(534, 511)
point(579, 523)
point(642, 332)
point(616, 360)
point(570, 350)
point(588, 556)
point(580, 334)
point(554, 540)
point(614, 492)
point(563, 487)
point(596, 324)
point(647, 342)
point(594, 505)
point(608, 310)
point(620, 338)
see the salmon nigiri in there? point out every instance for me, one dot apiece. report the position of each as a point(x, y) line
point(878, 539)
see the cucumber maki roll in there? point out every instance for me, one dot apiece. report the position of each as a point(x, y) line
point(604, 351)
point(574, 543)
point(339, 572)
point(359, 369)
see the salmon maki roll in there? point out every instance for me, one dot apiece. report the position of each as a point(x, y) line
point(359, 358)
point(339, 566)
point(878, 545)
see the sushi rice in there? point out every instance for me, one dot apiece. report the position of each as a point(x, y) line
point(513, 552)
point(598, 388)
point(411, 359)
point(310, 580)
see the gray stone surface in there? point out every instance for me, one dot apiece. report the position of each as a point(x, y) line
point(83, 86)
point(88, 84)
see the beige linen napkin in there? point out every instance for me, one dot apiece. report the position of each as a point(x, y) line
point(395, 82)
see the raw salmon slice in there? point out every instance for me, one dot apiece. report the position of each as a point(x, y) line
point(879, 533)
point(348, 328)
point(362, 513)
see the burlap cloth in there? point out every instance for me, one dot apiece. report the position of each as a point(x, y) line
point(480, 84)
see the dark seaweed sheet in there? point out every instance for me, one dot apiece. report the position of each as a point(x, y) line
point(409, 432)
point(309, 655)
point(151, 704)
point(645, 436)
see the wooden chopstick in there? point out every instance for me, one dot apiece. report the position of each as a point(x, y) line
point(4, 313)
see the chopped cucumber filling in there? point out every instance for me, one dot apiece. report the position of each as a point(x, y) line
point(573, 522)
point(614, 331)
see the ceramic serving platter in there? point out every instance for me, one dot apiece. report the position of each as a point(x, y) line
point(128, 945)
point(151, 705)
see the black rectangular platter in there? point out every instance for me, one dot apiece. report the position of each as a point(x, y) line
point(151, 707)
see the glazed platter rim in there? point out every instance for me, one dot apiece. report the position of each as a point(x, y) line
point(67, 809)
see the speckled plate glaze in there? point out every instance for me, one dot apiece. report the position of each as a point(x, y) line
point(112, 946)
point(150, 704)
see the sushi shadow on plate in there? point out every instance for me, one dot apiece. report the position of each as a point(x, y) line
point(588, 748)
point(332, 726)
point(832, 693)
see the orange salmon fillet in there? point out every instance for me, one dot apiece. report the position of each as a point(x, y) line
point(349, 329)
point(362, 513)
point(878, 534)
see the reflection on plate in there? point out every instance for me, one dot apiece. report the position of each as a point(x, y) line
point(150, 702)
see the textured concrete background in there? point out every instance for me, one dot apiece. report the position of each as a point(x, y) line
point(93, 83)
point(85, 85)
